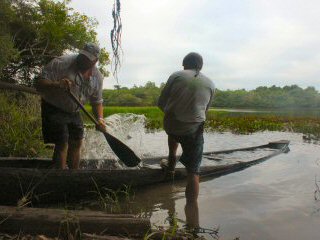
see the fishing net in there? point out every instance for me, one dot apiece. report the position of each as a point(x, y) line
point(115, 36)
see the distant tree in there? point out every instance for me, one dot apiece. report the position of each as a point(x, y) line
point(117, 87)
point(269, 97)
point(150, 85)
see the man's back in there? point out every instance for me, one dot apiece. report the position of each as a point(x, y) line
point(185, 99)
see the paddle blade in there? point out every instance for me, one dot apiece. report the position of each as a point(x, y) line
point(124, 153)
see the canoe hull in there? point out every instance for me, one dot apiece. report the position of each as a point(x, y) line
point(41, 185)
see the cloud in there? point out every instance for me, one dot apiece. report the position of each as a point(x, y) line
point(244, 43)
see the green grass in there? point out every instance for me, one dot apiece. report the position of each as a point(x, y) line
point(240, 123)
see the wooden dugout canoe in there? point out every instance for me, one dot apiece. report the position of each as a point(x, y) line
point(35, 180)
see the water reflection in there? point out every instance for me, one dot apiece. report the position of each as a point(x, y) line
point(168, 203)
point(165, 203)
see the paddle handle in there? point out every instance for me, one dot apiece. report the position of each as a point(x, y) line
point(82, 108)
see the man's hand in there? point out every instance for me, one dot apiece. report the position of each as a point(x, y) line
point(102, 125)
point(65, 83)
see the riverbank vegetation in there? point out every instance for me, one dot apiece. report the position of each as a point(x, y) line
point(262, 97)
point(20, 131)
point(223, 120)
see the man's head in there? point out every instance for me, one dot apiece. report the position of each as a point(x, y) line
point(88, 57)
point(192, 61)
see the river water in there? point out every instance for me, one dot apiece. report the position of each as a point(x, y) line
point(276, 199)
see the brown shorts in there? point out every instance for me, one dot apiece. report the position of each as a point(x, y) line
point(59, 126)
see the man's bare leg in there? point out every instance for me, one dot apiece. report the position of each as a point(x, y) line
point(192, 215)
point(173, 146)
point(60, 155)
point(191, 208)
point(192, 188)
point(74, 151)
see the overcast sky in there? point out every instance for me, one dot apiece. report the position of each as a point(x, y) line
point(244, 43)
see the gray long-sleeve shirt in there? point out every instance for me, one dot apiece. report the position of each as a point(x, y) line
point(185, 100)
point(64, 67)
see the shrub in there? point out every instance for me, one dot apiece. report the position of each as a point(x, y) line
point(20, 121)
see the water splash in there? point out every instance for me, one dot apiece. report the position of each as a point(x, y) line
point(129, 128)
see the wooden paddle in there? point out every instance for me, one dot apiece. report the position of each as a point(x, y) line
point(124, 153)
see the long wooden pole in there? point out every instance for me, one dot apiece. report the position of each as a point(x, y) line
point(10, 86)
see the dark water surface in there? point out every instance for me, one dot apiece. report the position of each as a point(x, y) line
point(271, 200)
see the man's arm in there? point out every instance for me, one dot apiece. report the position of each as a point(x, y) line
point(43, 84)
point(97, 110)
point(211, 99)
point(165, 94)
point(162, 101)
point(52, 76)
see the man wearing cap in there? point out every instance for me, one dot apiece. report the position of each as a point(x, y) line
point(185, 100)
point(61, 121)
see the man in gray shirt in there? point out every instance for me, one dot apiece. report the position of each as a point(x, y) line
point(61, 120)
point(185, 100)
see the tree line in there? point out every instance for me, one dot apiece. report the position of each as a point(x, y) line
point(262, 97)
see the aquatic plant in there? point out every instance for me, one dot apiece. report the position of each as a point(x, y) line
point(114, 201)
point(236, 122)
point(69, 227)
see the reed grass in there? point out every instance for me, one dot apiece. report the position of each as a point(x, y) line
point(114, 201)
point(20, 121)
